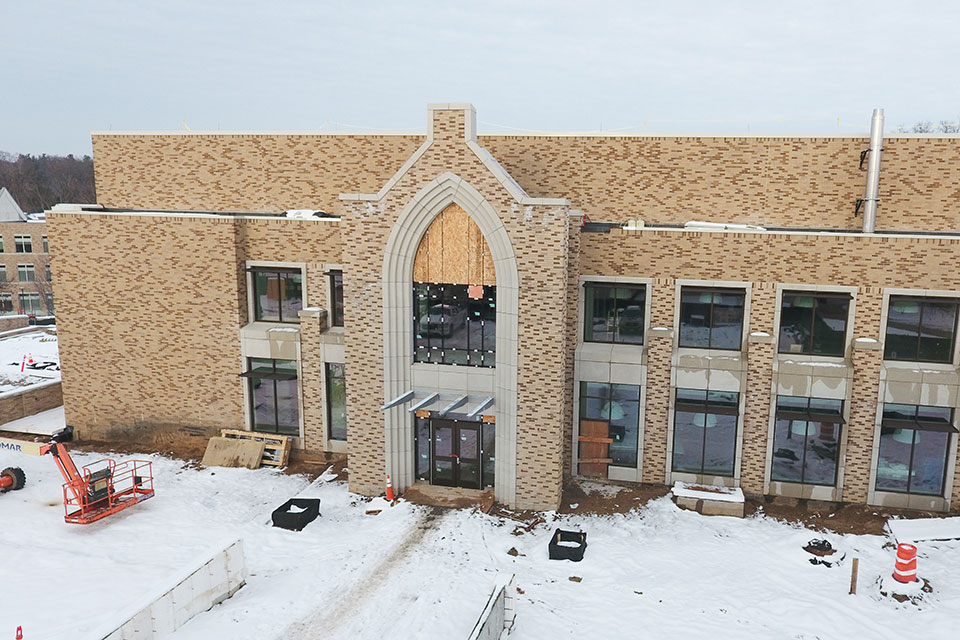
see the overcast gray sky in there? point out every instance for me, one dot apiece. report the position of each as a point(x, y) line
point(68, 68)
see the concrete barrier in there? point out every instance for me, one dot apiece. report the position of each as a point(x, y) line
point(28, 401)
point(208, 582)
point(500, 613)
point(13, 322)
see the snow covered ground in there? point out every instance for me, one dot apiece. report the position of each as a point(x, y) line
point(415, 572)
point(38, 344)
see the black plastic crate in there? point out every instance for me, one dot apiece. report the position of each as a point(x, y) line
point(285, 519)
point(562, 545)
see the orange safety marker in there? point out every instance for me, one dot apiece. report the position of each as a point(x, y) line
point(23, 363)
point(390, 495)
point(19, 633)
point(905, 569)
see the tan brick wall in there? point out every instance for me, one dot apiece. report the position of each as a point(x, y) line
point(870, 263)
point(249, 172)
point(810, 182)
point(659, 358)
point(756, 414)
point(312, 389)
point(149, 321)
point(864, 397)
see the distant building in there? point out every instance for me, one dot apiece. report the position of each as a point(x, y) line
point(10, 211)
point(25, 278)
point(504, 310)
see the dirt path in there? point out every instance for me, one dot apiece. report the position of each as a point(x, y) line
point(326, 620)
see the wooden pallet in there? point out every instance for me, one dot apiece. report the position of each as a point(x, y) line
point(276, 448)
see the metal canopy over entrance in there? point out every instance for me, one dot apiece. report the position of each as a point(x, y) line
point(440, 404)
point(454, 438)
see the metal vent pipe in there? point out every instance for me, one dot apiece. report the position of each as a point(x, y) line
point(870, 198)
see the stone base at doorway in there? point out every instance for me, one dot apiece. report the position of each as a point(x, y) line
point(709, 500)
point(449, 497)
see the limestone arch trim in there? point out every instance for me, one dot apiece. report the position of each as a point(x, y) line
point(397, 286)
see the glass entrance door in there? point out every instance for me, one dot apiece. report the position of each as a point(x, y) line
point(455, 454)
point(444, 445)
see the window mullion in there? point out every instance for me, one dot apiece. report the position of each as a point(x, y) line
point(813, 324)
point(703, 446)
point(916, 356)
point(913, 446)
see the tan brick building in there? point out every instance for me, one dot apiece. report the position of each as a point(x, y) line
point(25, 278)
point(499, 311)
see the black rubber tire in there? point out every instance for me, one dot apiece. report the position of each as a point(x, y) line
point(19, 478)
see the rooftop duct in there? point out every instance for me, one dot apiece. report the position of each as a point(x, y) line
point(870, 198)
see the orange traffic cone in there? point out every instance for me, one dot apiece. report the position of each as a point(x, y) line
point(30, 359)
point(390, 495)
point(19, 633)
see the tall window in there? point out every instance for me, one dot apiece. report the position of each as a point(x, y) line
point(26, 273)
point(711, 318)
point(806, 439)
point(609, 423)
point(814, 323)
point(6, 303)
point(30, 304)
point(274, 396)
point(1, 244)
point(914, 444)
point(278, 293)
point(3, 273)
point(336, 401)
point(46, 244)
point(455, 324)
point(24, 244)
point(46, 272)
point(336, 298)
point(613, 312)
point(705, 432)
point(920, 329)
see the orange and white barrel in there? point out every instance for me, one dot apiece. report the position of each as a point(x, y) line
point(905, 569)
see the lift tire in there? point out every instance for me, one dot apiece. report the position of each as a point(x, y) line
point(19, 478)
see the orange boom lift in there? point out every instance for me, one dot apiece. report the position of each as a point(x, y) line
point(91, 493)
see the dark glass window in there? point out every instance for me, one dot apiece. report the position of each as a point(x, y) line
point(455, 324)
point(277, 294)
point(711, 318)
point(705, 431)
point(336, 401)
point(23, 244)
point(806, 440)
point(615, 409)
point(613, 313)
point(920, 329)
point(814, 323)
point(274, 397)
point(336, 298)
point(6, 303)
point(914, 444)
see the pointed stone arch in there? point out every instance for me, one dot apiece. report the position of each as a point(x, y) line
point(397, 275)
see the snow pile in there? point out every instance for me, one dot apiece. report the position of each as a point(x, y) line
point(701, 492)
point(921, 529)
point(39, 345)
point(416, 572)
